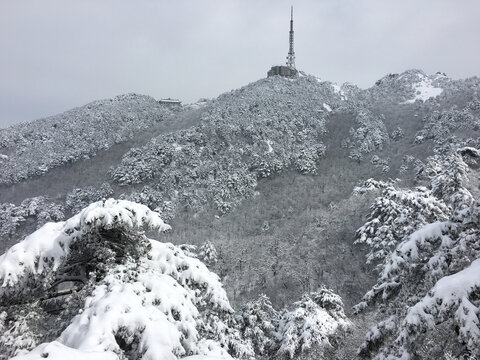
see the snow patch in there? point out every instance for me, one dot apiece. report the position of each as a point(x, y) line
point(270, 148)
point(424, 90)
point(337, 89)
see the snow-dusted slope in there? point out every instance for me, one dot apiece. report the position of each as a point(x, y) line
point(32, 148)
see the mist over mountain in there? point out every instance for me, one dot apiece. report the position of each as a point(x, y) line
point(353, 210)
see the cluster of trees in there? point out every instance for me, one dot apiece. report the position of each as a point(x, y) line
point(424, 243)
point(36, 211)
point(95, 286)
point(79, 198)
point(32, 148)
point(440, 126)
point(370, 134)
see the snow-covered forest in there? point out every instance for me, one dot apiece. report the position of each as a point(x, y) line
point(288, 219)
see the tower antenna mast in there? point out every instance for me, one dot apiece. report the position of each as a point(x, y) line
point(291, 51)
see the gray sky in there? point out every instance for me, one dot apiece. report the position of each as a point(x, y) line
point(58, 54)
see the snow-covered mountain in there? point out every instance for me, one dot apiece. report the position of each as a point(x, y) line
point(275, 177)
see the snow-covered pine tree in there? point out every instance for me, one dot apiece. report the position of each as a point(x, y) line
point(395, 214)
point(258, 321)
point(311, 326)
point(430, 281)
point(96, 287)
point(207, 253)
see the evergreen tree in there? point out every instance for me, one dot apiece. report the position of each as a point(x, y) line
point(258, 321)
point(207, 253)
point(311, 325)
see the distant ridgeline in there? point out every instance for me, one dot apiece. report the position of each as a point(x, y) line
point(289, 69)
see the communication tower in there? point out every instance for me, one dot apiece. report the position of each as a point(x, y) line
point(291, 51)
point(289, 70)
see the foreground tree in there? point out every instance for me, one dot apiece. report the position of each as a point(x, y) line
point(429, 282)
point(311, 326)
point(96, 287)
point(258, 321)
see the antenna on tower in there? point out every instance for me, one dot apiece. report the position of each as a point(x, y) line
point(291, 51)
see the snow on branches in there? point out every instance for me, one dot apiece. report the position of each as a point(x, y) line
point(258, 321)
point(396, 214)
point(39, 208)
point(311, 325)
point(427, 243)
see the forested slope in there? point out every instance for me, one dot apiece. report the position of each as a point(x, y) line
point(275, 178)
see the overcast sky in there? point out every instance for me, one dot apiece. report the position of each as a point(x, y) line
point(58, 54)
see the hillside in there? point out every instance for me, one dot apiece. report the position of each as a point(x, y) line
point(275, 176)
point(32, 149)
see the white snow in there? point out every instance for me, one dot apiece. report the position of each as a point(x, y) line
point(418, 238)
point(327, 107)
point(451, 292)
point(129, 306)
point(409, 248)
point(309, 324)
point(58, 351)
point(31, 254)
point(338, 90)
point(424, 90)
point(270, 148)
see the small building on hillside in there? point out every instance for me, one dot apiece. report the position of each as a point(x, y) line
point(171, 103)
